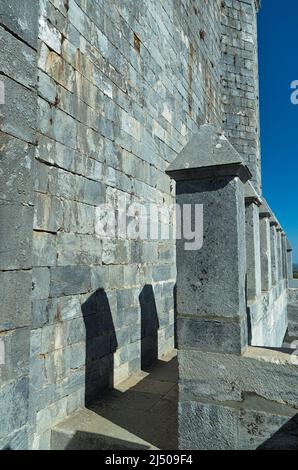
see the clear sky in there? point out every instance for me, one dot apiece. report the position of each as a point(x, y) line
point(278, 63)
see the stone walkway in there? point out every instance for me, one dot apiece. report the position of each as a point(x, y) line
point(140, 413)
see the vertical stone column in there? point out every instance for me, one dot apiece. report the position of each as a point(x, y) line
point(274, 254)
point(252, 226)
point(18, 34)
point(279, 252)
point(266, 277)
point(284, 257)
point(211, 302)
point(289, 261)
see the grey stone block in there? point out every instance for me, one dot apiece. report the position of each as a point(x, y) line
point(15, 236)
point(47, 213)
point(18, 116)
point(15, 293)
point(40, 283)
point(15, 441)
point(44, 249)
point(78, 250)
point(21, 18)
point(23, 68)
point(16, 169)
point(16, 354)
point(213, 336)
point(69, 280)
point(206, 427)
point(205, 287)
point(13, 406)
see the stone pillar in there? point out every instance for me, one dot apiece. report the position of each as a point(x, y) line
point(274, 254)
point(289, 261)
point(252, 225)
point(211, 302)
point(266, 277)
point(284, 257)
point(279, 254)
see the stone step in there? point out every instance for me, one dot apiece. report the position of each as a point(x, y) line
point(86, 430)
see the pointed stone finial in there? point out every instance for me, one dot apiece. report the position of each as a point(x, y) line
point(208, 154)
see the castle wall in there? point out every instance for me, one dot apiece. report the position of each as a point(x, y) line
point(18, 40)
point(122, 85)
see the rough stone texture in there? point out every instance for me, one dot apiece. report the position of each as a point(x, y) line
point(266, 274)
point(246, 402)
point(100, 98)
point(18, 66)
point(240, 82)
point(253, 252)
point(110, 119)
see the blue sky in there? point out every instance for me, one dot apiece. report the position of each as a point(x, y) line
point(278, 63)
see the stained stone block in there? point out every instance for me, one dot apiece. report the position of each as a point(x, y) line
point(18, 116)
point(206, 427)
point(212, 336)
point(40, 283)
point(15, 236)
point(253, 251)
point(16, 165)
point(15, 441)
point(265, 253)
point(15, 294)
point(274, 254)
point(69, 280)
point(10, 13)
point(204, 286)
point(16, 354)
point(44, 249)
point(13, 406)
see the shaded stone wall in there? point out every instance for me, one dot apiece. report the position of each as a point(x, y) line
point(18, 42)
point(121, 87)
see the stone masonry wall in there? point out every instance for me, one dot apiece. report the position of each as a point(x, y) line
point(18, 43)
point(121, 87)
point(241, 82)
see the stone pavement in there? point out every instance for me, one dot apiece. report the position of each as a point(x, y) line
point(140, 413)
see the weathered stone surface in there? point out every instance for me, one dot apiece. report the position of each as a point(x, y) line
point(16, 354)
point(213, 336)
point(15, 294)
point(204, 286)
point(13, 406)
point(23, 66)
point(203, 426)
point(266, 273)
point(68, 280)
point(44, 249)
point(16, 158)
point(18, 116)
point(21, 18)
point(15, 235)
point(253, 251)
point(255, 372)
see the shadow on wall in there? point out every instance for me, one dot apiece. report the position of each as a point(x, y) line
point(101, 340)
point(101, 343)
point(149, 327)
point(286, 438)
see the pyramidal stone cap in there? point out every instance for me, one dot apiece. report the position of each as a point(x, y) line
point(208, 154)
point(289, 246)
point(265, 210)
point(251, 195)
